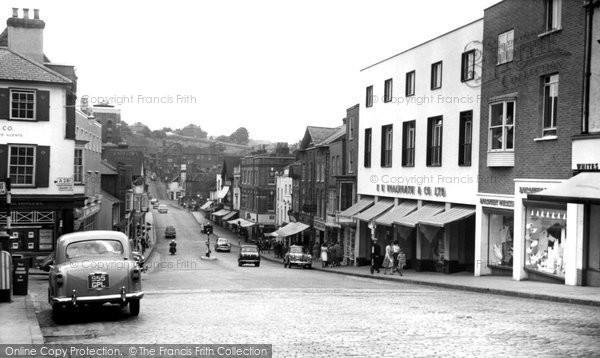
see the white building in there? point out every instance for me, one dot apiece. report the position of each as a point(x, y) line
point(283, 200)
point(418, 157)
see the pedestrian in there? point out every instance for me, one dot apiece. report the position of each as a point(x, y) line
point(395, 253)
point(375, 255)
point(316, 250)
point(339, 253)
point(387, 260)
point(331, 255)
point(324, 255)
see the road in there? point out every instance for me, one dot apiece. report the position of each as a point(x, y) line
point(309, 313)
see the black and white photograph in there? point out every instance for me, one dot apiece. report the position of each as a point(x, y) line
point(387, 178)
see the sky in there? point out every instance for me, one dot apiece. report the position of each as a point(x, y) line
point(271, 66)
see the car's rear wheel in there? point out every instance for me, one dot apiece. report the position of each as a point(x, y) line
point(257, 264)
point(239, 264)
point(134, 307)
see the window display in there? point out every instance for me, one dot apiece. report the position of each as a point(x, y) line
point(545, 240)
point(500, 240)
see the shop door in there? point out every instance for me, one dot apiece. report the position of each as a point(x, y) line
point(592, 276)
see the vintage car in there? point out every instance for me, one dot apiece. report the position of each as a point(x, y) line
point(162, 208)
point(297, 256)
point(155, 203)
point(93, 268)
point(223, 244)
point(170, 232)
point(249, 254)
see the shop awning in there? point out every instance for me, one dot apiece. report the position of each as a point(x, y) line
point(221, 212)
point(423, 213)
point(230, 215)
point(223, 192)
point(584, 188)
point(379, 208)
point(397, 213)
point(206, 205)
point(359, 206)
point(449, 216)
point(291, 229)
point(241, 222)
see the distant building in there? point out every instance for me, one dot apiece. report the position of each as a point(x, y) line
point(284, 197)
point(110, 119)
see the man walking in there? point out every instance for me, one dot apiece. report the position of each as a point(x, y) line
point(375, 255)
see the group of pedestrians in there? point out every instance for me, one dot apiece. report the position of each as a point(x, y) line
point(394, 258)
point(279, 249)
point(331, 254)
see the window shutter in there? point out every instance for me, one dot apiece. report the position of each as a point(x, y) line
point(429, 142)
point(70, 112)
point(3, 161)
point(4, 103)
point(42, 100)
point(461, 140)
point(42, 166)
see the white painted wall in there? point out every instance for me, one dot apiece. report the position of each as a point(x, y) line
point(284, 199)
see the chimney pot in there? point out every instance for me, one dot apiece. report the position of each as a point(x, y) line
point(36, 14)
point(15, 12)
point(26, 13)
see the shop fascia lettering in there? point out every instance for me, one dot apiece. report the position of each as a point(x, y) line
point(412, 190)
point(497, 202)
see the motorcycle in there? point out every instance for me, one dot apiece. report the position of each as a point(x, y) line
point(172, 247)
point(140, 260)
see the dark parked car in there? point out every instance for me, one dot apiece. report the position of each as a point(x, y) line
point(170, 232)
point(297, 256)
point(249, 254)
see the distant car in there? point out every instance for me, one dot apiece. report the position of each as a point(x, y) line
point(249, 254)
point(170, 232)
point(155, 203)
point(93, 268)
point(223, 244)
point(296, 256)
point(162, 208)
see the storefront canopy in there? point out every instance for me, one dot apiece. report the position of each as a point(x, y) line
point(223, 192)
point(449, 216)
point(359, 206)
point(241, 222)
point(379, 208)
point(584, 188)
point(206, 205)
point(221, 212)
point(423, 213)
point(230, 215)
point(397, 213)
point(291, 229)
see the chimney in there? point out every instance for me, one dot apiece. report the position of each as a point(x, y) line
point(15, 12)
point(25, 35)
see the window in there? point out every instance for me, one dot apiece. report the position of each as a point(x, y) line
point(465, 138)
point(410, 84)
point(351, 161)
point(386, 146)
point(436, 75)
point(502, 134)
point(467, 71)
point(545, 239)
point(78, 166)
point(351, 128)
point(369, 99)
point(368, 138)
point(408, 144)
point(387, 96)
point(271, 201)
point(434, 141)
point(22, 165)
point(553, 10)
point(550, 105)
point(22, 104)
point(506, 47)
point(500, 239)
point(338, 165)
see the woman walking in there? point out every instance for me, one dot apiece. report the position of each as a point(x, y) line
point(388, 260)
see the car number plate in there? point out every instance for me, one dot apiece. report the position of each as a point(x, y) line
point(98, 280)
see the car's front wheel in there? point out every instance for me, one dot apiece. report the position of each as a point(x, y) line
point(134, 307)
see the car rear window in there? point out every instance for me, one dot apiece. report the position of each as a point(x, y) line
point(99, 248)
point(249, 249)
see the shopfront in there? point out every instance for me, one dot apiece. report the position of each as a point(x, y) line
point(495, 245)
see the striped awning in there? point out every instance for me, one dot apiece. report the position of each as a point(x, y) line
point(379, 208)
point(206, 205)
point(230, 215)
point(397, 213)
point(291, 229)
point(223, 192)
point(241, 222)
point(449, 216)
point(221, 212)
point(359, 206)
point(423, 213)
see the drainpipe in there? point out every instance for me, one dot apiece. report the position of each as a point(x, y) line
point(587, 64)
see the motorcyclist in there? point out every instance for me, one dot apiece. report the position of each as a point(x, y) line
point(172, 247)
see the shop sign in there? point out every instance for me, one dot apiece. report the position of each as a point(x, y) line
point(497, 202)
point(430, 191)
point(530, 190)
point(319, 225)
point(588, 167)
point(64, 183)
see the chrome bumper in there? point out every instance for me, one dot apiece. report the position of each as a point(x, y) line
point(98, 299)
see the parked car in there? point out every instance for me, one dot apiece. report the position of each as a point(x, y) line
point(155, 203)
point(163, 208)
point(170, 232)
point(223, 244)
point(297, 256)
point(94, 267)
point(249, 254)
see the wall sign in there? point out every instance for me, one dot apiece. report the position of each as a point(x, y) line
point(497, 202)
point(439, 192)
point(588, 167)
point(64, 183)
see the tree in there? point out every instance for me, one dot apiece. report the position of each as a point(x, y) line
point(159, 134)
point(192, 130)
point(223, 138)
point(240, 136)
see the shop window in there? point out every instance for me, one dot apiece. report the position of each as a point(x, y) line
point(369, 99)
point(368, 138)
point(500, 239)
point(388, 86)
point(410, 84)
point(545, 240)
point(502, 121)
point(506, 47)
point(386, 146)
point(408, 144)
point(436, 75)
point(550, 105)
